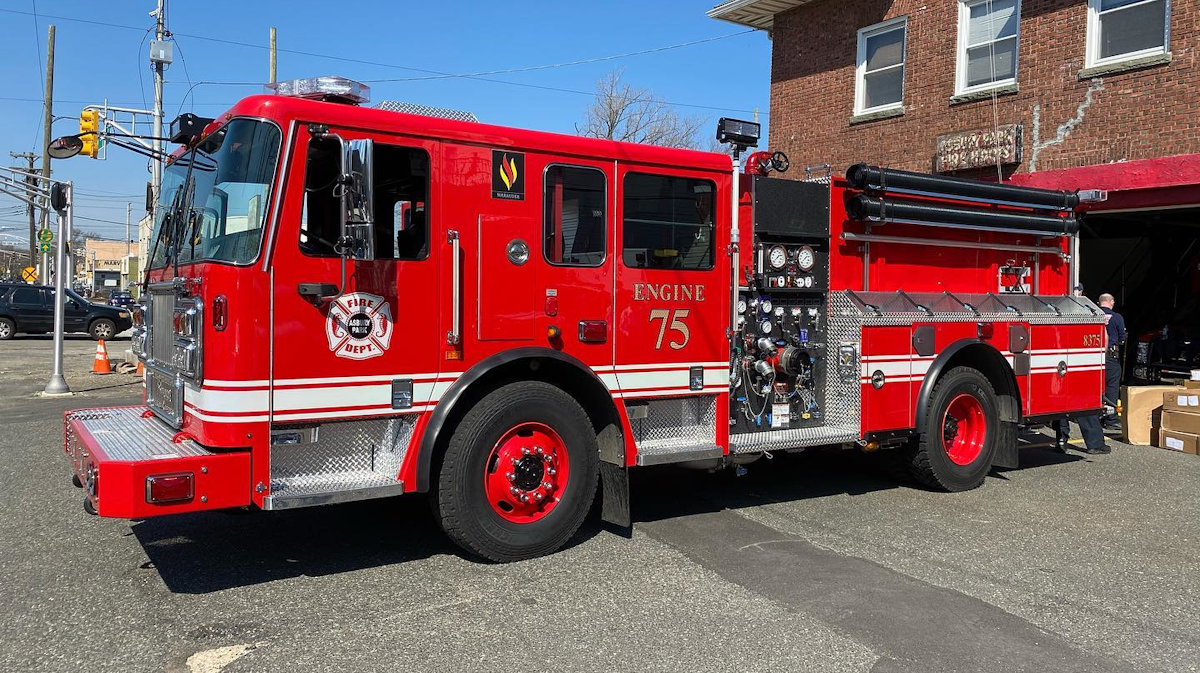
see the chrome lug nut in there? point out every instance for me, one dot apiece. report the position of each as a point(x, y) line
point(514, 490)
point(511, 476)
point(537, 496)
point(525, 451)
point(552, 472)
point(548, 486)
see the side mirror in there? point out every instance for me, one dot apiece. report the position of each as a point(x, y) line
point(358, 218)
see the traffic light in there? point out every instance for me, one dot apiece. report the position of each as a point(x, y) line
point(89, 132)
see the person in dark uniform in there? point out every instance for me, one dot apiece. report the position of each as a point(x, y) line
point(1089, 426)
point(1112, 358)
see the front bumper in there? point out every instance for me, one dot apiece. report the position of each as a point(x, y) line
point(115, 450)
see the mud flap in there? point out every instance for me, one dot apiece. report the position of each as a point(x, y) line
point(614, 508)
point(1007, 450)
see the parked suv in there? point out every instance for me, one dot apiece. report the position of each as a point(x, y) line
point(30, 309)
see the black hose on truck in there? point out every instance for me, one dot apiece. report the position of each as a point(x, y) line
point(868, 207)
point(863, 176)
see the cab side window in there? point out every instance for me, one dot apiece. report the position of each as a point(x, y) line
point(320, 222)
point(575, 222)
point(401, 201)
point(668, 222)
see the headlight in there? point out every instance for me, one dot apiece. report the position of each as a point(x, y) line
point(1143, 352)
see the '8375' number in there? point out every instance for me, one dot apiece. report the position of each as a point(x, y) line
point(676, 325)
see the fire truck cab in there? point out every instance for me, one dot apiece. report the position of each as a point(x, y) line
point(346, 302)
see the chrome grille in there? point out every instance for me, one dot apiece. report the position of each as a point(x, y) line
point(162, 329)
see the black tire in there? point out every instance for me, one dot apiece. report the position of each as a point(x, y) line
point(460, 501)
point(927, 457)
point(75, 481)
point(8, 329)
point(102, 328)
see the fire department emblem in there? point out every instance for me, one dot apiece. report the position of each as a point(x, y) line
point(359, 326)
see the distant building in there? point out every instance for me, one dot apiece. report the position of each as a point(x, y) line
point(102, 264)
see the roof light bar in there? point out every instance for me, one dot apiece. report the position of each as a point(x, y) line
point(327, 88)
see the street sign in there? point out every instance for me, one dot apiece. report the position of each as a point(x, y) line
point(44, 247)
point(29, 274)
point(45, 236)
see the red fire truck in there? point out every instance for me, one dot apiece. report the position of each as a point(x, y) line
point(347, 302)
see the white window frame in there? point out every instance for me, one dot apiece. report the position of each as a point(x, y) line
point(860, 69)
point(1093, 36)
point(964, 27)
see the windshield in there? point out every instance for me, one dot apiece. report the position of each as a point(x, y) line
point(220, 213)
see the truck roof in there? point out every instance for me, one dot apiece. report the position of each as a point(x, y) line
point(286, 108)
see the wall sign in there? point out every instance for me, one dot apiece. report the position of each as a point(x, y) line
point(974, 149)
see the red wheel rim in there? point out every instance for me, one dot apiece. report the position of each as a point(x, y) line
point(964, 429)
point(526, 473)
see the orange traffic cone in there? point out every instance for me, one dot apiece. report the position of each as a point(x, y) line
point(101, 365)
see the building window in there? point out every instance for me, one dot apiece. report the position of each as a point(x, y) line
point(574, 222)
point(879, 83)
point(987, 43)
point(668, 222)
point(1119, 30)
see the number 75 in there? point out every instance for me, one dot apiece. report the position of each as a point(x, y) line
point(677, 324)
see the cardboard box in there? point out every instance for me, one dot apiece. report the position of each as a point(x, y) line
point(1181, 421)
point(1180, 441)
point(1182, 400)
point(1192, 385)
point(1141, 409)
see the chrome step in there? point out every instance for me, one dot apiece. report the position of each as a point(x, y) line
point(331, 488)
point(678, 454)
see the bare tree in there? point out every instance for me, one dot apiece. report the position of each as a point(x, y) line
point(632, 114)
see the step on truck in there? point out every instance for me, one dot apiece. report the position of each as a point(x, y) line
point(346, 302)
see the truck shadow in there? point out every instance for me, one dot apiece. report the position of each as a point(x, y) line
point(212, 551)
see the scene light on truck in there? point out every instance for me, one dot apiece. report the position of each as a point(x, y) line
point(327, 88)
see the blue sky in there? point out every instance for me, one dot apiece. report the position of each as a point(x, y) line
point(95, 62)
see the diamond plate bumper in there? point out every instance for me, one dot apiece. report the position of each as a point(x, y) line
point(115, 450)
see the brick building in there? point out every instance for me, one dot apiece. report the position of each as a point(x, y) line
point(1065, 94)
point(1072, 82)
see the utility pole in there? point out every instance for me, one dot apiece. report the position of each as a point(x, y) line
point(30, 157)
point(47, 122)
point(156, 167)
point(272, 80)
point(128, 244)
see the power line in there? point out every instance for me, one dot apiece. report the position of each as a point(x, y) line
point(436, 73)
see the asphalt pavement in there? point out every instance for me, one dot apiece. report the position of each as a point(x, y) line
point(811, 562)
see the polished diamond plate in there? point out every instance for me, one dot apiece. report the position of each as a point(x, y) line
point(347, 455)
point(842, 395)
point(426, 110)
point(675, 424)
point(122, 434)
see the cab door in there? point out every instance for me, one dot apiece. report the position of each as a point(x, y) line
point(368, 345)
point(672, 285)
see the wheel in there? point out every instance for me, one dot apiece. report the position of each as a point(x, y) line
point(102, 328)
point(959, 434)
point(519, 473)
point(75, 481)
point(8, 329)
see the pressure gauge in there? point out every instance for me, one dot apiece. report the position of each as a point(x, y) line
point(805, 259)
point(765, 327)
point(765, 305)
point(741, 305)
point(777, 256)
